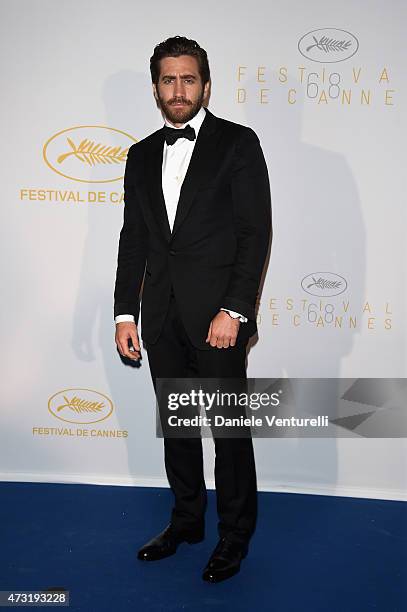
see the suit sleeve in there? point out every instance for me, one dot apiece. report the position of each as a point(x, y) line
point(252, 223)
point(133, 245)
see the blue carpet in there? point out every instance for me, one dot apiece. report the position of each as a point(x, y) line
point(310, 552)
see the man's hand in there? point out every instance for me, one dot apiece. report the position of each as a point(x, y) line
point(125, 331)
point(223, 330)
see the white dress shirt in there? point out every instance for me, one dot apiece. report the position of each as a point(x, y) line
point(176, 158)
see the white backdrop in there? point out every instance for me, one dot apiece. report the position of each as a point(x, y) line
point(330, 118)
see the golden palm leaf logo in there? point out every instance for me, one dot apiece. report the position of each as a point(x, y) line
point(90, 153)
point(81, 406)
point(77, 404)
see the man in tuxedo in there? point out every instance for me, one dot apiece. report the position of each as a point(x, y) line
point(196, 231)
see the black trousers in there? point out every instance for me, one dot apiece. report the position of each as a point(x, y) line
point(173, 356)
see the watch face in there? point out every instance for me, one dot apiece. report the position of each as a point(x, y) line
point(234, 315)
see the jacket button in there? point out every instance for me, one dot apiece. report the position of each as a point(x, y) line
point(172, 252)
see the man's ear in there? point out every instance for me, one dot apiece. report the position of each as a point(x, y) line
point(207, 91)
point(156, 96)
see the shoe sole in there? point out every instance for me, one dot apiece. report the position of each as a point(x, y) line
point(213, 580)
point(193, 540)
point(153, 558)
point(209, 578)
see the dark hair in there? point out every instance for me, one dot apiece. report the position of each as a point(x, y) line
point(174, 47)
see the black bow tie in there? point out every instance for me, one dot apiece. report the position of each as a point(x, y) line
point(171, 134)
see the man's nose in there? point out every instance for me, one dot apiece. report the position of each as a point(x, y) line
point(179, 88)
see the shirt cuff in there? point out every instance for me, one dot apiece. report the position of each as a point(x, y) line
point(123, 318)
point(235, 315)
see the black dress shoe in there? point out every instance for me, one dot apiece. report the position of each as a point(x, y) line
point(166, 543)
point(224, 561)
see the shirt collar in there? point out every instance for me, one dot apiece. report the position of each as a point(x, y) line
point(195, 122)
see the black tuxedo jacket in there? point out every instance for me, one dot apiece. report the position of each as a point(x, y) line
point(215, 254)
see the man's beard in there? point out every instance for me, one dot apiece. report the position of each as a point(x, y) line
point(181, 114)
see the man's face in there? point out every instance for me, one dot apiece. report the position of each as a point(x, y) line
point(179, 91)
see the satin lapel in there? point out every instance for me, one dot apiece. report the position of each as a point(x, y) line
point(200, 169)
point(155, 182)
